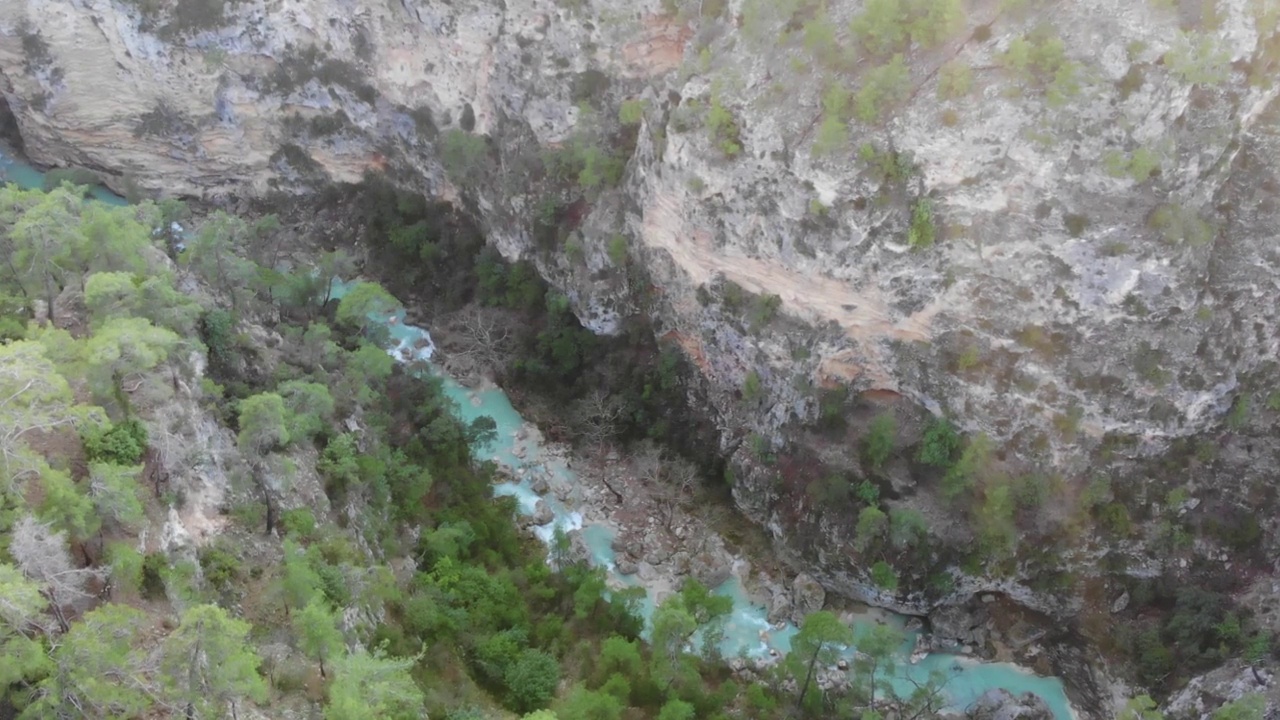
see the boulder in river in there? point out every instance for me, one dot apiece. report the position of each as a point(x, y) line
point(1000, 704)
point(710, 568)
point(963, 624)
point(807, 596)
point(779, 606)
point(578, 551)
point(542, 514)
point(655, 552)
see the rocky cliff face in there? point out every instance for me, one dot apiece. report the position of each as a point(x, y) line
point(1053, 223)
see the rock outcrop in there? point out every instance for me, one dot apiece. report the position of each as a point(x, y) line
point(1004, 705)
point(1229, 683)
point(807, 596)
point(956, 626)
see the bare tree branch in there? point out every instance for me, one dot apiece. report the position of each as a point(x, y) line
point(42, 555)
point(481, 339)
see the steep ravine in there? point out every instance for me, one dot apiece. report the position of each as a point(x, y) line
point(1099, 300)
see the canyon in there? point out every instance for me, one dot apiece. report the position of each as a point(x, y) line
point(1096, 296)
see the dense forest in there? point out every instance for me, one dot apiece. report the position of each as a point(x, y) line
point(407, 589)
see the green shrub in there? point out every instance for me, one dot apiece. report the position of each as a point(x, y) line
point(531, 680)
point(994, 523)
point(309, 63)
point(1075, 224)
point(1132, 81)
point(872, 525)
point(940, 444)
point(333, 583)
point(1040, 59)
point(1238, 418)
point(955, 80)
point(589, 85)
point(733, 296)
point(761, 448)
point(1180, 225)
point(1199, 59)
point(299, 522)
point(148, 8)
point(1252, 706)
point(907, 527)
point(618, 250)
point(599, 168)
point(217, 332)
point(193, 16)
point(163, 121)
point(882, 88)
point(75, 176)
point(126, 567)
point(573, 249)
point(942, 583)
point(832, 136)
point(154, 568)
point(1139, 166)
point(877, 446)
point(1142, 164)
point(831, 405)
point(1114, 518)
point(631, 112)
point(13, 318)
point(724, 129)
point(933, 22)
point(974, 461)
point(1238, 530)
point(1155, 661)
point(885, 27)
point(889, 166)
point(882, 26)
point(923, 232)
point(820, 38)
point(219, 567)
point(882, 575)
point(119, 444)
point(833, 133)
point(464, 156)
point(331, 124)
point(867, 492)
point(764, 308)
point(714, 8)
point(752, 388)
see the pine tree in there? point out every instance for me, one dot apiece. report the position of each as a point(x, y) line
point(207, 665)
point(317, 632)
point(373, 686)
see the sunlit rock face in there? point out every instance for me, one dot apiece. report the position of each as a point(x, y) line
point(1071, 248)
